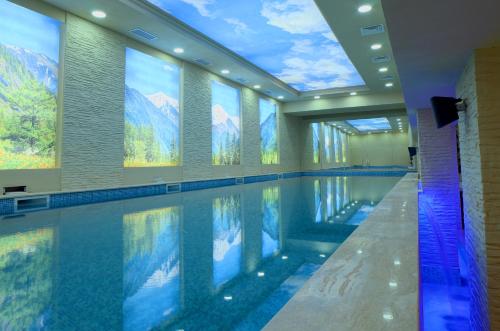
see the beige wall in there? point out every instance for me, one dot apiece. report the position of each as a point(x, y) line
point(479, 132)
point(380, 149)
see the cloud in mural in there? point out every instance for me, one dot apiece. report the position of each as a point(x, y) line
point(290, 39)
point(372, 124)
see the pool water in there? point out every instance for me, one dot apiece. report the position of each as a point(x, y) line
point(219, 259)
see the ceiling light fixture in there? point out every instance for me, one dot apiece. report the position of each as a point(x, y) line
point(353, 93)
point(281, 97)
point(389, 84)
point(225, 72)
point(99, 14)
point(376, 46)
point(366, 8)
point(178, 50)
point(257, 87)
point(317, 97)
point(383, 69)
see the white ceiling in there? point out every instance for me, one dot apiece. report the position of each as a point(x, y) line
point(433, 39)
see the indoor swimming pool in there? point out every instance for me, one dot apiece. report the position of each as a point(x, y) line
point(218, 259)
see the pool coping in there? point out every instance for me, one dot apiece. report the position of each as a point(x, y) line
point(371, 282)
point(61, 199)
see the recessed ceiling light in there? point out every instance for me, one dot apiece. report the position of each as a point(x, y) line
point(98, 14)
point(383, 69)
point(389, 84)
point(281, 97)
point(353, 93)
point(399, 120)
point(386, 131)
point(178, 50)
point(376, 46)
point(225, 72)
point(365, 8)
point(257, 87)
point(317, 97)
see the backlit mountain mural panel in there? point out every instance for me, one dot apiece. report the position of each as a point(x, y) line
point(152, 118)
point(268, 132)
point(29, 57)
point(225, 124)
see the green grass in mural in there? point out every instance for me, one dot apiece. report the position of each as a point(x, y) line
point(142, 149)
point(269, 157)
point(27, 115)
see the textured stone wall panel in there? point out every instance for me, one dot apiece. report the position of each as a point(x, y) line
point(93, 102)
point(473, 200)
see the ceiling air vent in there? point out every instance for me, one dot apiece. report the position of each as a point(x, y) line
point(143, 34)
point(372, 29)
point(268, 92)
point(388, 77)
point(241, 80)
point(381, 59)
point(202, 62)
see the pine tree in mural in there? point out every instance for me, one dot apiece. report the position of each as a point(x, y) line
point(268, 132)
point(151, 112)
point(225, 125)
point(28, 88)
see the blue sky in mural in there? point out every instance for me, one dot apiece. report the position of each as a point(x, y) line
point(299, 47)
point(41, 35)
point(149, 75)
point(372, 124)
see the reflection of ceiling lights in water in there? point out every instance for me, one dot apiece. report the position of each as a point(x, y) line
point(228, 298)
point(284, 257)
point(261, 274)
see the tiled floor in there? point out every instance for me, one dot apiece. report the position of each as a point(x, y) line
point(371, 281)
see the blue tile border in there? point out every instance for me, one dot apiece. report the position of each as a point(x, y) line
point(61, 200)
point(6, 206)
point(261, 178)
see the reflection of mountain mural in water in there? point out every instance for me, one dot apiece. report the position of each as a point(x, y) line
point(152, 122)
point(225, 137)
point(227, 238)
point(270, 221)
point(151, 278)
point(28, 88)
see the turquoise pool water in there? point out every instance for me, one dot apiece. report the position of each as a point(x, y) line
point(219, 259)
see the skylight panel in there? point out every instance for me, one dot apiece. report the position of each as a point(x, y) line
point(290, 39)
point(372, 124)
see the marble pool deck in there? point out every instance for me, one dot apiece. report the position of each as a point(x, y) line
point(371, 281)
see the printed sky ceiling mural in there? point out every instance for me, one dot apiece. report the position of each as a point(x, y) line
point(372, 124)
point(288, 38)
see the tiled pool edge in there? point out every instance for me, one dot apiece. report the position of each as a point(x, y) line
point(68, 199)
point(371, 282)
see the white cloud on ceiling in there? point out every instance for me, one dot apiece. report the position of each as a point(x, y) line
point(201, 6)
point(294, 16)
point(303, 46)
point(239, 26)
point(330, 36)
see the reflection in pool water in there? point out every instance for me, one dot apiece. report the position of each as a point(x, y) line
point(25, 279)
point(219, 259)
point(151, 268)
point(227, 238)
